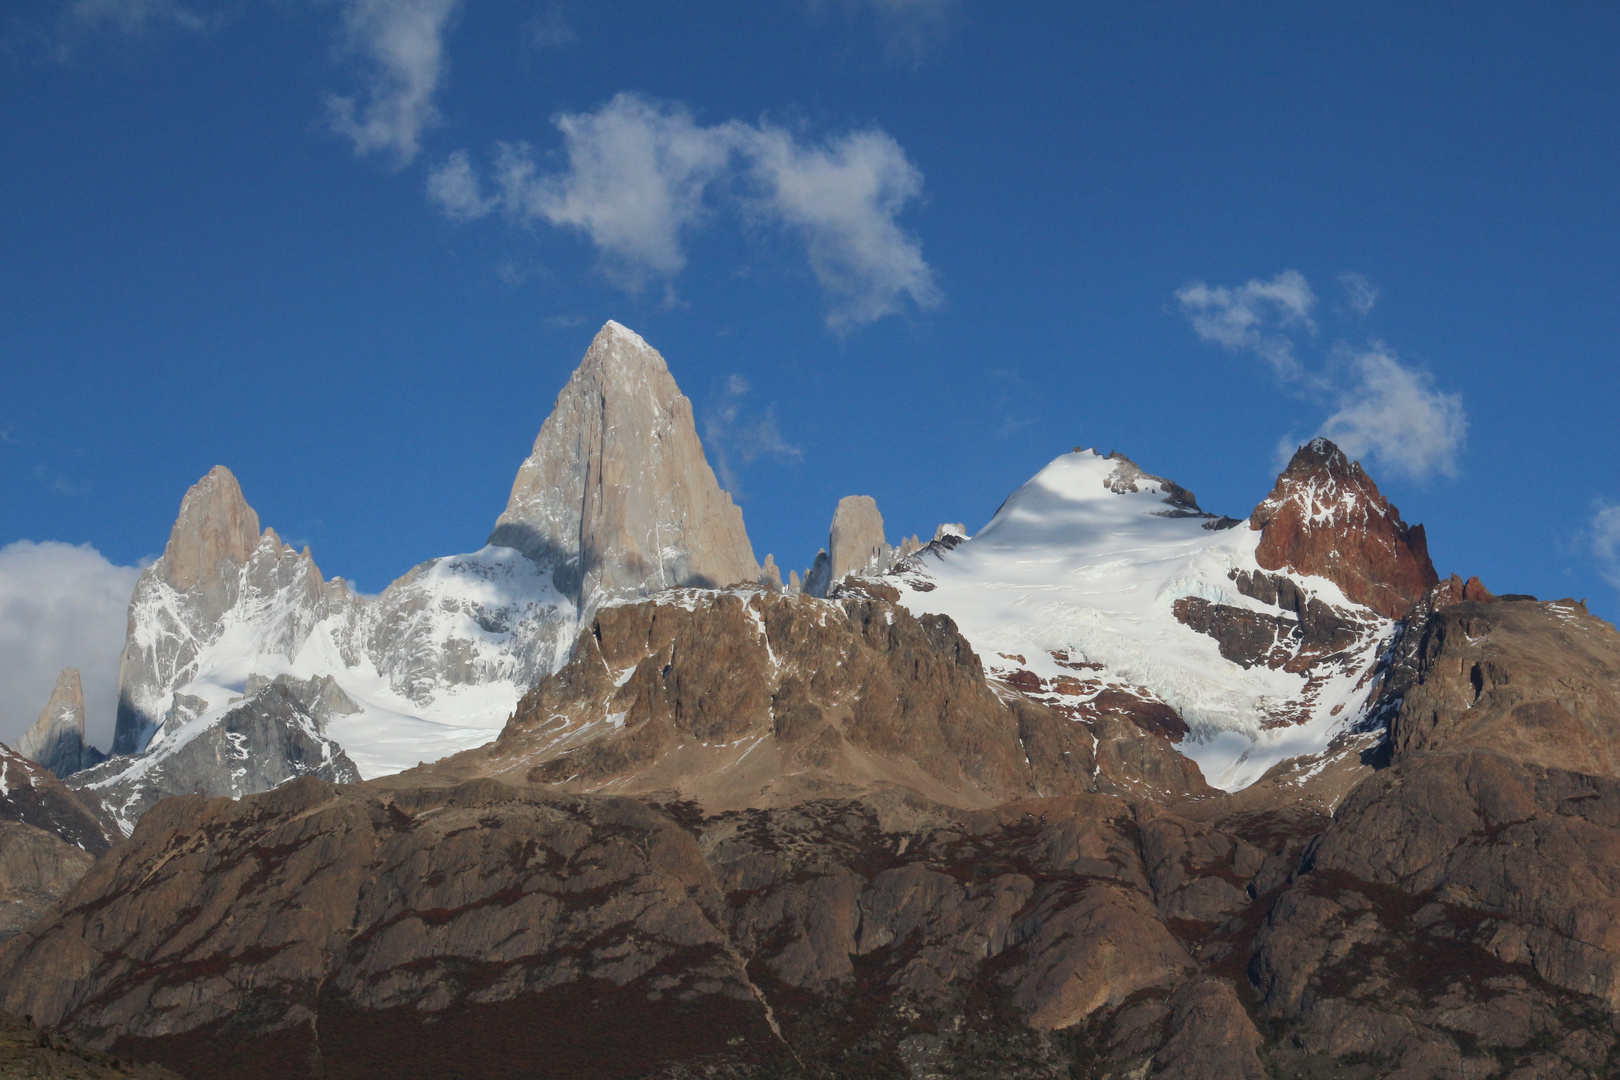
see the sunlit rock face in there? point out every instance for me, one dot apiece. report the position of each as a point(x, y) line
point(617, 497)
point(1325, 517)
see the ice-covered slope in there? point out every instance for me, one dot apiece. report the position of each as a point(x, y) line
point(1075, 582)
point(431, 666)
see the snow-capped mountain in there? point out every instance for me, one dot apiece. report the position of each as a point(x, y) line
point(1097, 586)
point(436, 662)
point(432, 665)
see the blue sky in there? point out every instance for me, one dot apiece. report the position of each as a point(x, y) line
point(906, 248)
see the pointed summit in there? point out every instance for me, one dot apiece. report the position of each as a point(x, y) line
point(180, 599)
point(616, 495)
point(215, 525)
point(56, 740)
point(1326, 517)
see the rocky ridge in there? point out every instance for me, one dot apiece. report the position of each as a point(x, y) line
point(1452, 918)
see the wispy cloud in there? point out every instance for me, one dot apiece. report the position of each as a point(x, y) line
point(139, 18)
point(455, 187)
point(56, 481)
point(843, 198)
point(400, 44)
point(728, 432)
point(1392, 414)
point(1359, 292)
point(911, 30)
point(643, 175)
point(60, 606)
point(1256, 316)
point(551, 28)
point(1604, 537)
point(1383, 410)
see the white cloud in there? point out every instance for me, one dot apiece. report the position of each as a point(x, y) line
point(60, 606)
point(636, 177)
point(842, 198)
point(1384, 410)
point(455, 187)
point(1253, 317)
point(402, 44)
point(642, 175)
point(911, 29)
point(1605, 540)
point(1393, 415)
point(1359, 292)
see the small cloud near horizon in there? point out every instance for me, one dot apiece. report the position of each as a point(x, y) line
point(1603, 536)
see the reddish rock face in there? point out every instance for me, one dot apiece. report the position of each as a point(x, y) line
point(1325, 517)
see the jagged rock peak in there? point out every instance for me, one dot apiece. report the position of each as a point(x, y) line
point(770, 575)
point(856, 537)
point(617, 496)
point(1325, 516)
point(215, 524)
point(57, 740)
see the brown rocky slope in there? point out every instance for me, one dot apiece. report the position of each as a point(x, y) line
point(1456, 917)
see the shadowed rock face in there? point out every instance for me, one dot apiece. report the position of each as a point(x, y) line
point(617, 496)
point(1326, 517)
point(355, 932)
point(31, 794)
point(28, 1050)
point(49, 835)
point(56, 740)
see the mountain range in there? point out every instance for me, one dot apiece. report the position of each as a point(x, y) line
point(1114, 786)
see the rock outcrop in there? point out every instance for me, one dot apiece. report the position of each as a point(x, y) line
point(617, 497)
point(31, 794)
point(57, 738)
point(855, 541)
point(36, 869)
point(1325, 517)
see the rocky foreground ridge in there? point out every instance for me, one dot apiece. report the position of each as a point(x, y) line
point(879, 906)
point(1115, 787)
